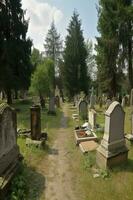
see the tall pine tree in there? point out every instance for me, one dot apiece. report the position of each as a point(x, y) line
point(16, 49)
point(75, 54)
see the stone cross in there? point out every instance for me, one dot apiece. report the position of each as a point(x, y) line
point(113, 150)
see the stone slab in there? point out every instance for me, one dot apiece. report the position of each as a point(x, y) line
point(36, 143)
point(88, 146)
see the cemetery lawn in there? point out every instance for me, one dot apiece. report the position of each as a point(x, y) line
point(78, 178)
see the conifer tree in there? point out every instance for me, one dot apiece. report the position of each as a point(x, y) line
point(75, 54)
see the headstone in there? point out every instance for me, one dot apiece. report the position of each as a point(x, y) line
point(123, 102)
point(92, 118)
point(52, 106)
point(131, 98)
point(35, 122)
point(83, 109)
point(57, 101)
point(9, 150)
point(113, 150)
point(108, 102)
point(92, 101)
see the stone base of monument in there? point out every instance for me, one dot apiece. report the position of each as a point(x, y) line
point(36, 143)
point(82, 136)
point(51, 113)
point(14, 158)
point(105, 161)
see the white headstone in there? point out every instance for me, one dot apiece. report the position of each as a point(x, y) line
point(92, 118)
point(113, 143)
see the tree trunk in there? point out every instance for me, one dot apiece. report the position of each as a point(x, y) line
point(9, 96)
point(16, 94)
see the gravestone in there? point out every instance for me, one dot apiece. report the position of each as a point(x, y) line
point(52, 106)
point(35, 122)
point(92, 118)
point(83, 109)
point(92, 101)
point(113, 150)
point(108, 102)
point(57, 101)
point(9, 150)
point(123, 102)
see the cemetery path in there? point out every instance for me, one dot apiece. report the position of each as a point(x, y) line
point(59, 178)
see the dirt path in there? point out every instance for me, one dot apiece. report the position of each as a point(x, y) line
point(58, 180)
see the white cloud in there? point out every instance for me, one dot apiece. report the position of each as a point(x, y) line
point(41, 15)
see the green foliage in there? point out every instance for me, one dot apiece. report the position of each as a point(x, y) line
point(75, 54)
point(15, 48)
point(19, 187)
point(42, 81)
point(104, 174)
point(89, 161)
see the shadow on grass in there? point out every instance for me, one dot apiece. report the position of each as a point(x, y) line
point(36, 183)
point(125, 167)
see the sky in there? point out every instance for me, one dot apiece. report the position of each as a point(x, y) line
point(42, 12)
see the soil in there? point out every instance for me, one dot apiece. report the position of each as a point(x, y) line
point(59, 184)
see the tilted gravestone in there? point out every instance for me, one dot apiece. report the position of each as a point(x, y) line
point(83, 109)
point(113, 150)
point(9, 150)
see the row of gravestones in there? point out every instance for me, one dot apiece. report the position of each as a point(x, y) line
point(113, 148)
point(103, 100)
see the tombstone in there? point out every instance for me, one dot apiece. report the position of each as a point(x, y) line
point(52, 106)
point(35, 122)
point(9, 150)
point(92, 101)
point(108, 102)
point(123, 102)
point(92, 118)
point(113, 150)
point(131, 98)
point(57, 101)
point(83, 109)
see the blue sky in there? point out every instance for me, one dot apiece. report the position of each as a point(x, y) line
point(42, 12)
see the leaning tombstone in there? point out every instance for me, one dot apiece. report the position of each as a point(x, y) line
point(9, 150)
point(83, 109)
point(112, 150)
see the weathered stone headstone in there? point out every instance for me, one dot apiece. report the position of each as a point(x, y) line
point(57, 101)
point(131, 98)
point(83, 109)
point(108, 102)
point(92, 101)
point(113, 150)
point(52, 106)
point(9, 150)
point(92, 118)
point(35, 122)
point(123, 102)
